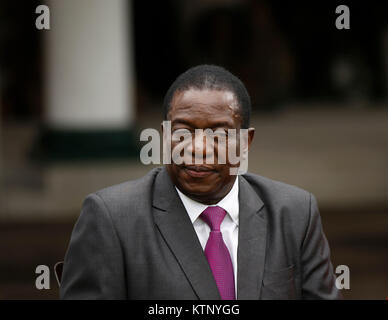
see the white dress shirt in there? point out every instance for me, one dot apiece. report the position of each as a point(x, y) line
point(229, 226)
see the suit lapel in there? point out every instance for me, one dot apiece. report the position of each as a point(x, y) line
point(176, 228)
point(251, 242)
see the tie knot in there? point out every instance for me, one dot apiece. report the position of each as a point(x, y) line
point(213, 216)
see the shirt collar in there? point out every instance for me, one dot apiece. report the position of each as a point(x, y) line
point(229, 203)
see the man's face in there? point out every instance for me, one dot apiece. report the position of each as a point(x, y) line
point(204, 109)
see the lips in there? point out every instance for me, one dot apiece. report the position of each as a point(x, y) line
point(198, 171)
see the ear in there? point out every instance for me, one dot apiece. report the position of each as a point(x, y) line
point(251, 134)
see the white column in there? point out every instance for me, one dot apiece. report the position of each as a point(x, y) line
point(89, 69)
point(385, 62)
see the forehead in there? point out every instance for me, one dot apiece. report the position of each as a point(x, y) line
point(205, 106)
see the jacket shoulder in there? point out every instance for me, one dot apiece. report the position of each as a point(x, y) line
point(276, 188)
point(130, 194)
point(279, 195)
point(288, 208)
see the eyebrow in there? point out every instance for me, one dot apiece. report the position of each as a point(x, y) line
point(188, 123)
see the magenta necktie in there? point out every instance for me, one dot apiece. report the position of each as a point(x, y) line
point(217, 253)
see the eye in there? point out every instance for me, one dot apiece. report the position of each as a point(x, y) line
point(181, 133)
point(221, 133)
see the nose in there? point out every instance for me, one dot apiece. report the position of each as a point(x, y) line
point(200, 147)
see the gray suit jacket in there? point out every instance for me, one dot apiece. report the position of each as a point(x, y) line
point(136, 241)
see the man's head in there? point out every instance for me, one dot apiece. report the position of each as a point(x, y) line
point(211, 77)
point(206, 97)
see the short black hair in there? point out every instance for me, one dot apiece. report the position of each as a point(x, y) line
point(211, 77)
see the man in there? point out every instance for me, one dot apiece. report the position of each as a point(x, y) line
point(196, 231)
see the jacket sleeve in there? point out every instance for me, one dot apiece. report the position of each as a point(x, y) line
point(93, 266)
point(318, 278)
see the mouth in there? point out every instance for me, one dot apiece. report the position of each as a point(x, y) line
point(198, 171)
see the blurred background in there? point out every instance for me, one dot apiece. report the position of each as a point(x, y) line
point(74, 98)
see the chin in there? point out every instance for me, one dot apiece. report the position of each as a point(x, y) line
point(200, 190)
